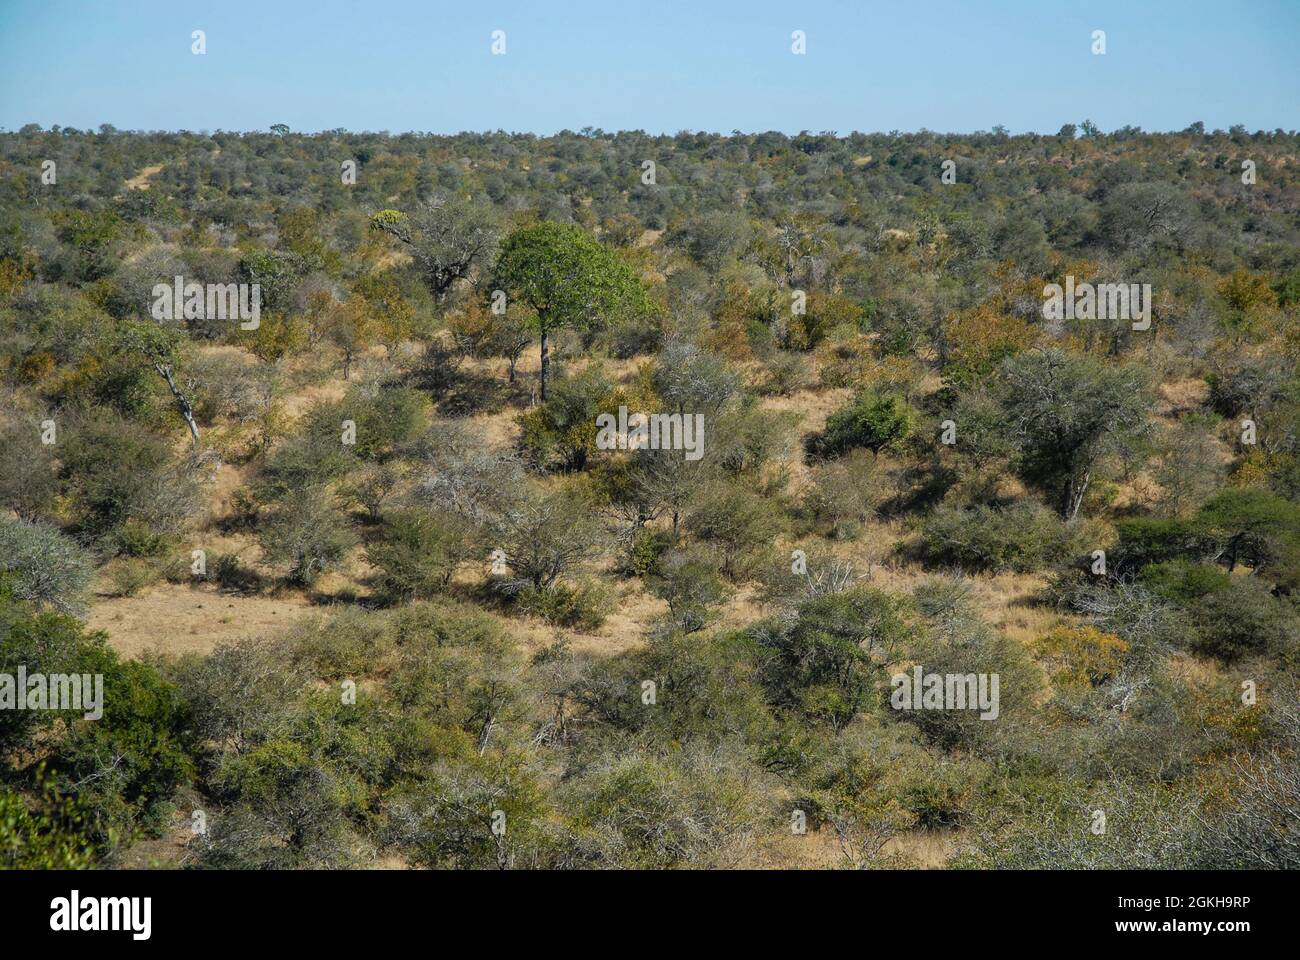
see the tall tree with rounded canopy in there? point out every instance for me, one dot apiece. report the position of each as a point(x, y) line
point(569, 279)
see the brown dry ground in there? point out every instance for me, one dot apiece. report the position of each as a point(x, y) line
point(141, 180)
point(179, 619)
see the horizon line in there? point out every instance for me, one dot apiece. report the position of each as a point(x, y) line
point(594, 132)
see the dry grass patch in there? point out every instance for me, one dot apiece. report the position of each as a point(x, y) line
point(183, 618)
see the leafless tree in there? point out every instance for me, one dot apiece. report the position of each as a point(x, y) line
point(447, 236)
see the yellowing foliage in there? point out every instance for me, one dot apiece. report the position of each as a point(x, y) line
point(1081, 657)
point(978, 339)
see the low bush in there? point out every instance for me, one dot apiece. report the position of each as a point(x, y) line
point(418, 551)
point(41, 565)
point(870, 421)
point(1020, 537)
point(580, 606)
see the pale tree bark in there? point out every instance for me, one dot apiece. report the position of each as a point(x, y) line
point(1074, 493)
point(182, 401)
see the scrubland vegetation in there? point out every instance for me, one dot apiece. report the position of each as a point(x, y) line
point(498, 645)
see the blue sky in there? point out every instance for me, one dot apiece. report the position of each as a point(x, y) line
point(657, 65)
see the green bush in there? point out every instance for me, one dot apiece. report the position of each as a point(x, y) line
point(307, 536)
point(682, 811)
point(953, 638)
point(418, 551)
point(346, 645)
point(127, 576)
point(582, 606)
point(689, 582)
point(1150, 540)
point(843, 496)
point(40, 839)
point(1023, 537)
point(41, 565)
point(134, 539)
point(1243, 618)
point(113, 769)
point(736, 522)
point(869, 421)
point(28, 483)
point(1257, 528)
point(1250, 527)
point(548, 535)
point(386, 418)
point(562, 431)
point(937, 804)
point(1184, 581)
point(116, 473)
point(446, 624)
point(301, 466)
point(229, 573)
point(822, 661)
point(647, 549)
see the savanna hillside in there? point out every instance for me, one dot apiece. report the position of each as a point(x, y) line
point(670, 662)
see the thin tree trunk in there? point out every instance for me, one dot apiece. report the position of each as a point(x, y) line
point(187, 411)
point(1074, 493)
point(546, 362)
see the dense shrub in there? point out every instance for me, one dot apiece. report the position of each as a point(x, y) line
point(40, 564)
point(843, 496)
point(953, 639)
point(385, 417)
point(28, 484)
point(1243, 619)
point(580, 606)
point(735, 522)
point(307, 536)
point(418, 552)
point(871, 422)
point(689, 582)
point(116, 473)
point(825, 660)
point(562, 431)
point(1023, 536)
point(115, 768)
point(229, 573)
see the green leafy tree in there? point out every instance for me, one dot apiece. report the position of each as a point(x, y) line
point(569, 279)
